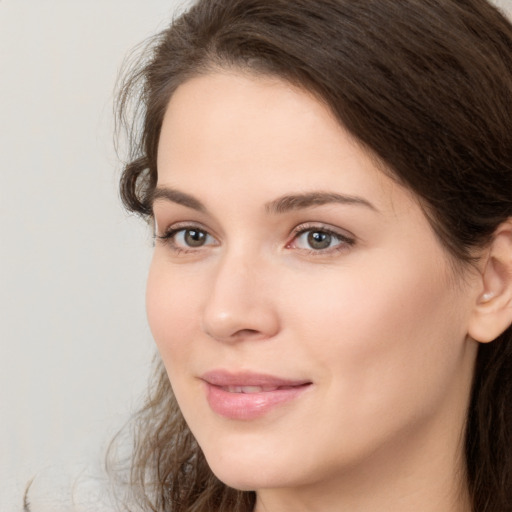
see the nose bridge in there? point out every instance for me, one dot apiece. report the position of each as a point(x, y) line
point(238, 304)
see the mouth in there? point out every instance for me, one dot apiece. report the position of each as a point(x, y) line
point(254, 389)
point(248, 396)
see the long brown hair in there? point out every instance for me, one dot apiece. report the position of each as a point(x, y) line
point(426, 87)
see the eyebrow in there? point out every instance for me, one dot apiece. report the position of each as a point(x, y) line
point(307, 200)
point(175, 196)
point(278, 206)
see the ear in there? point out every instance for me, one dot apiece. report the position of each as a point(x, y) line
point(492, 313)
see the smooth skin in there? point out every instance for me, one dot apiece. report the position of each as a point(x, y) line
point(342, 283)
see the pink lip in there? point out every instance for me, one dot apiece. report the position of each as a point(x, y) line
point(227, 399)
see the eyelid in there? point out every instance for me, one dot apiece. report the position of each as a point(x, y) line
point(177, 226)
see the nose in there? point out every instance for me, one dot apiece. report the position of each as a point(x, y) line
point(241, 302)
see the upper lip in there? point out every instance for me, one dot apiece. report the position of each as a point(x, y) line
point(223, 378)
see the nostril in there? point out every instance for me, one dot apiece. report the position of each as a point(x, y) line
point(234, 317)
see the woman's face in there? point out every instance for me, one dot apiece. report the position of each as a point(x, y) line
point(308, 318)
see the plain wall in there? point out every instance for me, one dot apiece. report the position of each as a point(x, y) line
point(75, 350)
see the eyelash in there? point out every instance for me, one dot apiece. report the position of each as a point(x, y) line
point(345, 241)
point(168, 237)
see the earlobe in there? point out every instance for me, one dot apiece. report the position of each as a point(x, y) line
point(492, 312)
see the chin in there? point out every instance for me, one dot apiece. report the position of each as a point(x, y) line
point(246, 479)
point(249, 471)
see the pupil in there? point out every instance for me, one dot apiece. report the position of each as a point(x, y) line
point(194, 237)
point(319, 240)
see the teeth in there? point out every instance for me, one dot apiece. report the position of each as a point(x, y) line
point(249, 389)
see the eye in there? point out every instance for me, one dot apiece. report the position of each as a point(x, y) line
point(187, 238)
point(319, 240)
point(191, 237)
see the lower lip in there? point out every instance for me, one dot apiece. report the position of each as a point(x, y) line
point(249, 406)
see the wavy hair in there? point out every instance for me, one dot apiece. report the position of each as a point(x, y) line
point(426, 87)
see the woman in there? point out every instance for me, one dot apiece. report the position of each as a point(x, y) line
point(330, 185)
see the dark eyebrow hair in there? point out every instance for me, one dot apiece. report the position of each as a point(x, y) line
point(309, 199)
point(175, 196)
point(280, 205)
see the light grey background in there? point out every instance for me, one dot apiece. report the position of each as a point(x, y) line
point(74, 347)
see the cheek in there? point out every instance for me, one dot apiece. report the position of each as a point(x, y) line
point(171, 306)
point(394, 329)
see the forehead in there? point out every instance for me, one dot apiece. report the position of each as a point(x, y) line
point(240, 134)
